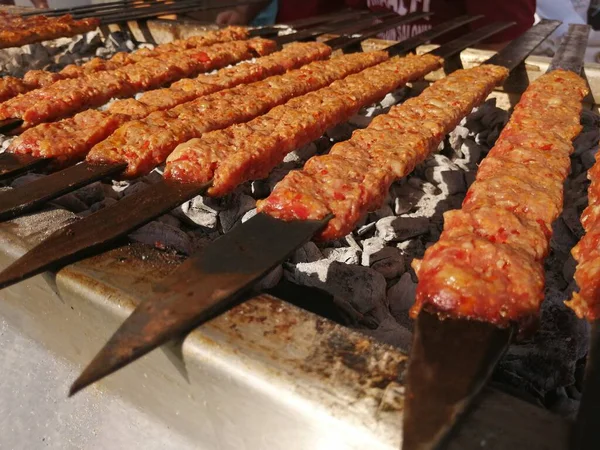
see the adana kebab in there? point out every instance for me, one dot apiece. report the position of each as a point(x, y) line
point(297, 122)
point(586, 302)
point(69, 96)
point(213, 279)
point(34, 79)
point(586, 305)
point(71, 139)
point(485, 275)
point(21, 31)
point(488, 263)
point(66, 97)
point(66, 140)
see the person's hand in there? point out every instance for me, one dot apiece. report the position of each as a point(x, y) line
point(43, 4)
point(231, 17)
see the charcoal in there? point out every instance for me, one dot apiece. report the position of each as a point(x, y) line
point(240, 206)
point(199, 211)
point(588, 158)
point(347, 255)
point(586, 140)
point(308, 253)
point(249, 215)
point(134, 188)
point(401, 297)
point(394, 229)
point(163, 235)
point(270, 280)
point(390, 332)
point(449, 181)
point(70, 202)
point(25, 179)
point(90, 194)
point(390, 263)
point(357, 289)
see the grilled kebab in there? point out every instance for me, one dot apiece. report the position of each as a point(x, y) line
point(68, 96)
point(71, 139)
point(16, 30)
point(488, 263)
point(35, 79)
point(356, 174)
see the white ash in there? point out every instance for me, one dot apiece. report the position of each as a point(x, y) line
point(368, 273)
point(54, 55)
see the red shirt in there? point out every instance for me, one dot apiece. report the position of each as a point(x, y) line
point(519, 11)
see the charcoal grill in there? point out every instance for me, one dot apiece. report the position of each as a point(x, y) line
point(265, 375)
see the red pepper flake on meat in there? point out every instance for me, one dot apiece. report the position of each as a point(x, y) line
point(373, 158)
point(502, 230)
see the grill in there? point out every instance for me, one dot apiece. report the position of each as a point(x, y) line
point(268, 370)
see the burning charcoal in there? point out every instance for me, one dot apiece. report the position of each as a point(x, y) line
point(163, 235)
point(276, 176)
point(449, 181)
point(108, 201)
point(27, 178)
point(249, 215)
point(91, 193)
point(346, 255)
point(590, 118)
point(562, 238)
point(169, 220)
point(588, 139)
point(70, 202)
point(470, 178)
point(472, 152)
point(569, 269)
point(370, 247)
point(198, 211)
point(363, 230)
point(401, 297)
point(110, 191)
point(457, 137)
point(548, 361)
point(571, 216)
point(392, 333)
point(259, 189)
point(134, 188)
point(241, 204)
point(424, 186)
point(308, 253)
point(393, 229)
point(302, 154)
point(270, 280)
point(384, 211)
point(405, 197)
point(340, 132)
point(588, 158)
point(360, 291)
point(389, 263)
